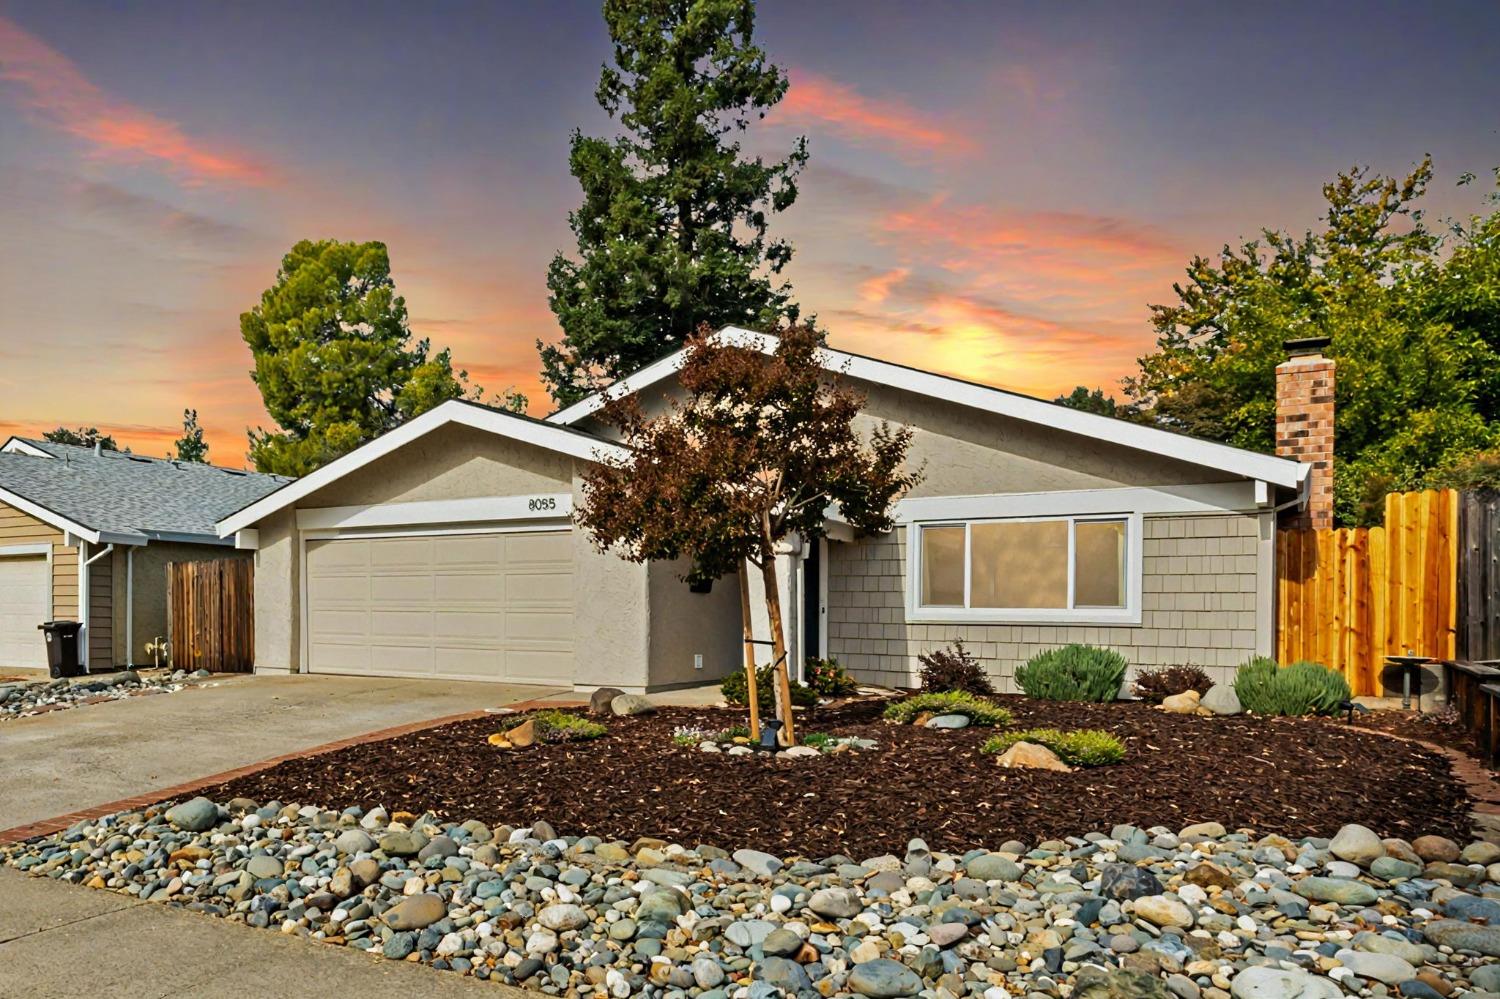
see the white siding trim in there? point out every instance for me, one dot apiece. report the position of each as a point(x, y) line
point(1225, 497)
point(538, 506)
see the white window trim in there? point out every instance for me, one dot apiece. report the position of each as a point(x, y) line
point(1130, 614)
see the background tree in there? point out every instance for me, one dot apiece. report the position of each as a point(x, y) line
point(1090, 402)
point(190, 446)
point(335, 358)
point(1411, 316)
point(672, 232)
point(82, 437)
point(753, 454)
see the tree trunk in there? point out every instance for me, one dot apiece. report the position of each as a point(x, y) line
point(778, 639)
point(751, 693)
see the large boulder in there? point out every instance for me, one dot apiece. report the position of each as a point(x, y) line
point(1031, 756)
point(1222, 700)
point(601, 699)
point(194, 815)
point(1185, 703)
point(1356, 844)
point(631, 704)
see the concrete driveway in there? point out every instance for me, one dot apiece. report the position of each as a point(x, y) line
point(67, 760)
point(61, 940)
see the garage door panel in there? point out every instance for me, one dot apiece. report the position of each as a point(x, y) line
point(484, 606)
point(473, 588)
point(25, 596)
point(538, 666)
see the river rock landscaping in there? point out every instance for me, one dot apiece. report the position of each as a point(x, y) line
point(1190, 912)
point(24, 698)
point(1289, 776)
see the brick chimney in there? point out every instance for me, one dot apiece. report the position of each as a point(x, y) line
point(1304, 424)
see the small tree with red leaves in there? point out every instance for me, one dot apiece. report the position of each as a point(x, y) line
point(758, 449)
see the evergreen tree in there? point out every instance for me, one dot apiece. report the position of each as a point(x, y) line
point(190, 446)
point(672, 232)
point(82, 437)
point(335, 358)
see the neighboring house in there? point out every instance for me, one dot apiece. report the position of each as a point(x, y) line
point(445, 548)
point(103, 524)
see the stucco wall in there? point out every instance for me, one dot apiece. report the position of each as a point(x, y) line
point(452, 462)
point(685, 624)
point(1203, 578)
point(278, 608)
point(148, 603)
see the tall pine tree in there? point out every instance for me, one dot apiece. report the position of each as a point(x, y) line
point(672, 232)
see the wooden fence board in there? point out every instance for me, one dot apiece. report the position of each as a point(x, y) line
point(211, 615)
point(1349, 597)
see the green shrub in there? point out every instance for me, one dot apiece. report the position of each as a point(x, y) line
point(818, 740)
point(953, 669)
point(1086, 747)
point(733, 689)
point(1073, 673)
point(1303, 688)
point(828, 679)
point(979, 710)
point(1156, 685)
point(559, 726)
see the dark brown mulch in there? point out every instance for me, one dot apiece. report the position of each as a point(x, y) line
point(1291, 776)
point(1436, 727)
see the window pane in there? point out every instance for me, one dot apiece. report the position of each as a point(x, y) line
point(1099, 580)
point(1020, 564)
point(942, 566)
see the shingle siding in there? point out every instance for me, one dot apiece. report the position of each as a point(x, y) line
point(1201, 578)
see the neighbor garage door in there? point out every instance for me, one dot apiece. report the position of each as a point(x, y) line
point(25, 597)
point(462, 606)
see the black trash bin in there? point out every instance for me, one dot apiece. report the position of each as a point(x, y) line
point(62, 647)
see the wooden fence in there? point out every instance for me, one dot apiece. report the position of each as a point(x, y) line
point(1479, 577)
point(211, 615)
point(1349, 597)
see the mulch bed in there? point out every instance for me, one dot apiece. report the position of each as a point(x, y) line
point(1433, 726)
point(1297, 777)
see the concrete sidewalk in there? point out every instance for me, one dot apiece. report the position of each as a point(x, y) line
point(61, 941)
point(68, 760)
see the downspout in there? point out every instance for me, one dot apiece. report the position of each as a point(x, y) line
point(85, 596)
point(83, 604)
point(130, 607)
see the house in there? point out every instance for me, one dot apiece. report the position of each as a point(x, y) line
point(103, 524)
point(445, 548)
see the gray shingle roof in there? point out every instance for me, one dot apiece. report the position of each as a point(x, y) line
point(131, 494)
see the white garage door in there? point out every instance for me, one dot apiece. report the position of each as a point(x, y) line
point(25, 585)
point(461, 606)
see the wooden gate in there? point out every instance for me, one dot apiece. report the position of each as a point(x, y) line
point(211, 615)
point(1349, 597)
point(1479, 575)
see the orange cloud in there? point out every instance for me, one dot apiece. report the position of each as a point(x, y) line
point(878, 288)
point(993, 231)
point(814, 98)
point(58, 93)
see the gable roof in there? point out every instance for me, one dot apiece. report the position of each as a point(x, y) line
point(501, 422)
point(1208, 454)
point(118, 498)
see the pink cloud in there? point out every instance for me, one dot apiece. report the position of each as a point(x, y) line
point(53, 88)
point(878, 288)
point(812, 98)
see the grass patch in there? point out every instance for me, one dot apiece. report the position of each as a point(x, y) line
point(1085, 747)
point(979, 710)
point(560, 726)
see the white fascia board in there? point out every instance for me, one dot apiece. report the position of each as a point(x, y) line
point(247, 540)
point(484, 509)
point(187, 539)
point(1223, 497)
point(1209, 454)
point(57, 520)
point(17, 446)
point(508, 425)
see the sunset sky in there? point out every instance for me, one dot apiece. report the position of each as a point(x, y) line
point(997, 190)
